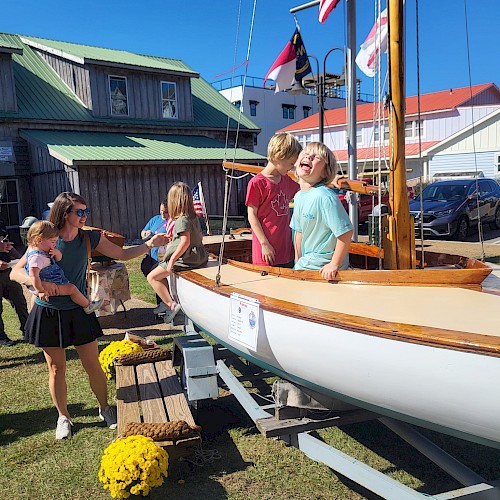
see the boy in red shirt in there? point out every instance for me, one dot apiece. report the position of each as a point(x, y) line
point(268, 197)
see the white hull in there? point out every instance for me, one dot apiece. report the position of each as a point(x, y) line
point(450, 390)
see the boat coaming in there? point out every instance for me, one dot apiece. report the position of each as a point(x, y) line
point(413, 367)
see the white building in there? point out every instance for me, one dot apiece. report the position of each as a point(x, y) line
point(274, 111)
point(460, 132)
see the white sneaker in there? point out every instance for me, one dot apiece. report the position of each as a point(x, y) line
point(63, 429)
point(93, 306)
point(109, 416)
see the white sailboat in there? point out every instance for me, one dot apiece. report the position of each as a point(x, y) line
point(418, 340)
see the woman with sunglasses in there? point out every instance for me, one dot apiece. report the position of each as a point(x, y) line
point(60, 323)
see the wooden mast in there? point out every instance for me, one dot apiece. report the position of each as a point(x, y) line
point(399, 245)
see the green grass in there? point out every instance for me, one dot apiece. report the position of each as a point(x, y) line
point(250, 467)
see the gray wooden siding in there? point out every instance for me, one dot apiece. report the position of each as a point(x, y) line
point(74, 75)
point(50, 177)
point(143, 93)
point(489, 96)
point(463, 162)
point(123, 199)
point(8, 101)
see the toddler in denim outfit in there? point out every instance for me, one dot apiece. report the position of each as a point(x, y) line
point(41, 265)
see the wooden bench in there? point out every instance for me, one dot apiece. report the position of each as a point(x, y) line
point(151, 393)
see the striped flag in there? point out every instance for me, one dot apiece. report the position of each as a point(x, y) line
point(375, 44)
point(199, 201)
point(169, 226)
point(325, 7)
point(292, 64)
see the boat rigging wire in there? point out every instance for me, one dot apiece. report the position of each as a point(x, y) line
point(419, 128)
point(479, 225)
point(229, 178)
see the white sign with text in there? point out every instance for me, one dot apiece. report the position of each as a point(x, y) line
point(244, 320)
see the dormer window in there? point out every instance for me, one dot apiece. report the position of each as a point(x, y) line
point(118, 95)
point(169, 99)
point(288, 111)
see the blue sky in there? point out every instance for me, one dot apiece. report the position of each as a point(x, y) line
point(203, 34)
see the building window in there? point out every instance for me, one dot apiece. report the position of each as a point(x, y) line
point(304, 139)
point(288, 111)
point(307, 111)
point(9, 202)
point(255, 140)
point(497, 156)
point(376, 134)
point(412, 129)
point(169, 99)
point(118, 95)
point(253, 108)
point(359, 136)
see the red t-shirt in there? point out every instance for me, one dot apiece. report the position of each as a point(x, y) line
point(273, 212)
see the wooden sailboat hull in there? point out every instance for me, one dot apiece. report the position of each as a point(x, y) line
point(433, 366)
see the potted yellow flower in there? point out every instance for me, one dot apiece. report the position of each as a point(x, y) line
point(132, 466)
point(113, 351)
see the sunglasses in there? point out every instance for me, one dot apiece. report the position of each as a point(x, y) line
point(80, 212)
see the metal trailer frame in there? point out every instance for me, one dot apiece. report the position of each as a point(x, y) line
point(475, 487)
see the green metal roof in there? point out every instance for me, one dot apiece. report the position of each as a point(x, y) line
point(10, 44)
point(74, 147)
point(88, 53)
point(42, 95)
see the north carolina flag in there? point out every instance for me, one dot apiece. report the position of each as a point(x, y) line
point(375, 43)
point(325, 7)
point(292, 64)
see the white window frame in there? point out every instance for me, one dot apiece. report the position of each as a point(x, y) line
point(359, 136)
point(385, 128)
point(414, 129)
point(174, 101)
point(118, 77)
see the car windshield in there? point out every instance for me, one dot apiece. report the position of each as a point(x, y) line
point(440, 192)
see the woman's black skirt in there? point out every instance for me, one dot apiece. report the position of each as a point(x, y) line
point(48, 327)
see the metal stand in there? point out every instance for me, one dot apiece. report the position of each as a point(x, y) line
point(476, 487)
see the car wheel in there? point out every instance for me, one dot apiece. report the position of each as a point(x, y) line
point(496, 223)
point(462, 228)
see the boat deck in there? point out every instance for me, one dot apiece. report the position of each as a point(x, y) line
point(466, 310)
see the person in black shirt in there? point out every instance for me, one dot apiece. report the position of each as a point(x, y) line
point(9, 289)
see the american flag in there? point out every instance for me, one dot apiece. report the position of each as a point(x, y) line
point(169, 226)
point(325, 7)
point(199, 202)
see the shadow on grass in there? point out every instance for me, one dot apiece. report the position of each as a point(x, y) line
point(375, 436)
point(28, 359)
point(14, 426)
point(199, 477)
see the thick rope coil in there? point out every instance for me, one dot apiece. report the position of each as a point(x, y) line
point(163, 431)
point(137, 358)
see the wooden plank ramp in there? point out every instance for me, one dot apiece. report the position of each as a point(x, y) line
point(151, 393)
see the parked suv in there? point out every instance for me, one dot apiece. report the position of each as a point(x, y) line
point(450, 208)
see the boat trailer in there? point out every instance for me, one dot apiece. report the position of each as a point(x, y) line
point(199, 371)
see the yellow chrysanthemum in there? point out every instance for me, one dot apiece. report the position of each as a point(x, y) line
point(132, 466)
point(115, 349)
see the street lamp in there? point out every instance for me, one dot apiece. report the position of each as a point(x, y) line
point(320, 84)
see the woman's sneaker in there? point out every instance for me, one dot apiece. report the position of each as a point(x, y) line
point(94, 305)
point(109, 416)
point(63, 429)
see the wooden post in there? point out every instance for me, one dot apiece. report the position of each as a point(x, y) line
point(400, 251)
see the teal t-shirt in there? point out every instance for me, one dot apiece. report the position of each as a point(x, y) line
point(74, 265)
point(319, 215)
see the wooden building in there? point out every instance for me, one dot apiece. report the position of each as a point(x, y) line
point(116, 127)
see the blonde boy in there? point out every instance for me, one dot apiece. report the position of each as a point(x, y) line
point(322, 227)
point(268, 197)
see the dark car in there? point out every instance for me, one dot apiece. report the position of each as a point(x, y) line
point(450, 208)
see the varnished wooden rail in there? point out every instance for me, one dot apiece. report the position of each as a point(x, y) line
point(347, 184)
